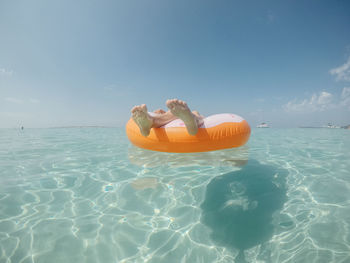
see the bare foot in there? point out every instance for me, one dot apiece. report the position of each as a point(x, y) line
point(180, 109)
point(142, 119)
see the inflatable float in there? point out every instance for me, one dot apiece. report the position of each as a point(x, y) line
point(220, 131)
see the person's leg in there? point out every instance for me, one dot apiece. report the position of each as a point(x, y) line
point(180, 109)
point(159, 111)
point(199, 117)
point(146, 121)
point(142, 119)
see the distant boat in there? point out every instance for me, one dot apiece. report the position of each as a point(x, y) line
point(263, 125)
point(331, 126)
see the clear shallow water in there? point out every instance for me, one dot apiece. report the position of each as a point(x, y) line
point(86, 195)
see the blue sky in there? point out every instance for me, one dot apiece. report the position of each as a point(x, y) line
point(66, 63)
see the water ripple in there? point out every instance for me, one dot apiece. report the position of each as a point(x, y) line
point(86, 195)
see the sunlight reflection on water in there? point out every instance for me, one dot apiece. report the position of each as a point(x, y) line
point(87, 195)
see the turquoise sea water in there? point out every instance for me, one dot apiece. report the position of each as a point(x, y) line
point(86, 195)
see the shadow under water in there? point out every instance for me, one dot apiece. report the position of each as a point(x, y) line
point(239, 206)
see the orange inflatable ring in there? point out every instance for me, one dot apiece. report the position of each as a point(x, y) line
point(220, 131)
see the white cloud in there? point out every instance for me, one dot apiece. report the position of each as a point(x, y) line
point(20, 101)
point(109, 87)
point(257, 112)
point(14, 100)
point(16, 115)
point(317, 102)
point(270, 17)
point(345, 97)
point(320, 102)
point(5, 72)
point(118, 90)
point(34, 101)
point(342, 72)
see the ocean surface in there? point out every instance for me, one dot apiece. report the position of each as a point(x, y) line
point(86, 195)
